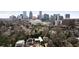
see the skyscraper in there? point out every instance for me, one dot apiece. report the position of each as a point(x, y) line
point(51, 17)
point(20, 17)
point(40, 15)
point(46, 17)
point(61, 17)
point(58, 19)
point(67, 16)
point(56, 16)
point(12, 17)
point(24, 15)
point(30, 15)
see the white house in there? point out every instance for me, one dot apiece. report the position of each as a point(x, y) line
point(39, 39)
point(20, 43)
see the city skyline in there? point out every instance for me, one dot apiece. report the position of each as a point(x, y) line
point(6, 14)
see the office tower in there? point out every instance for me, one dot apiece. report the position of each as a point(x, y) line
point(61, 17)
point(52, 17)
point(40, 15)
point(12, 17)
point(56, 16)
point(30, 15)
point(58, 19)
point(24, 15)
point(20, 16)
point(46, 17)
point(67, 16)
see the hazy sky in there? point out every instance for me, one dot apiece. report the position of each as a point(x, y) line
point(6, 14)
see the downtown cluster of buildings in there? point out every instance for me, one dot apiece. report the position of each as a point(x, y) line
point(55, 19)
point(41, 16)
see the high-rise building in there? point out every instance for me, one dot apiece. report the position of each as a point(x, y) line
point(67, 16)
point(30, 15)
point(52, 17)
point(40, 15)
point(12, 17)
point(56, 16)
point(61, 18)
point(24, 15)
point(20, 16)
point(58, 19)
point(46, 17)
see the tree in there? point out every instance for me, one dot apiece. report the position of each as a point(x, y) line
point(72, 40)
point(71, 24)
point(4, 41)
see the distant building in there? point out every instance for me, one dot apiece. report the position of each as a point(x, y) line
point(61, 17)
point(45, 17)
point(34, 18)
point(51, 17)
point(35, 22)
point(20, 17)
point(12, 17)
point(24, 15)
point(67, 16)
point(40, 15)
point(30, 15)
point(58, 22)
point(58, 19)
point(58, 16)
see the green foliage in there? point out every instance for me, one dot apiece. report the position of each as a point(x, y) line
point(71, 24)
point(4, 41)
